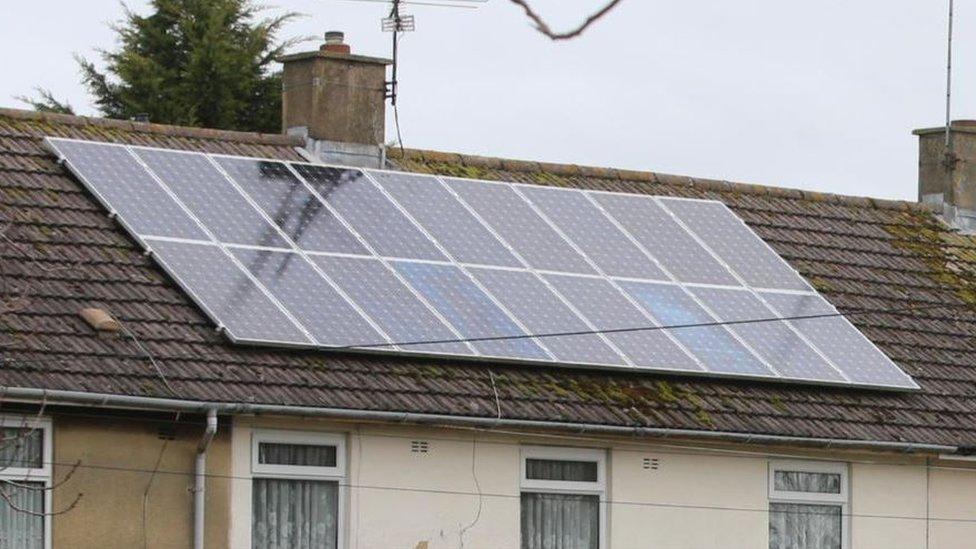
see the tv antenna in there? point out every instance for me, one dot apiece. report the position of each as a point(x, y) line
point(398, 22)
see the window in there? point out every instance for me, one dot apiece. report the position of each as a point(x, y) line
point(25, 476)
point(296, 492)
point(563, 493)
point(807, 505)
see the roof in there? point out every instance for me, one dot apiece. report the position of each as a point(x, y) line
point(61, 253)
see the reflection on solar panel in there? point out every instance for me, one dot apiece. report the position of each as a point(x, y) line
point(296, 254)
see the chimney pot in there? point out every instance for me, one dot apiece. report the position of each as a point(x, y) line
point(335, 42)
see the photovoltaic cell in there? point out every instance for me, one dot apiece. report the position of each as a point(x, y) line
point(840, 341)
point(390, 304)
point(128, 189)
point(291, 205)
point(370, 213)
point(514, 220)
point(542, 312)
point(222, 288)
point(446, 219)
point(395, 262)
point(201, 187)
point(607, 309)
point(469, 310)
point(309, 297)
point(583, 223)
point(713, 345)
point(774, 340)
point(665, 239)
point(736, 244)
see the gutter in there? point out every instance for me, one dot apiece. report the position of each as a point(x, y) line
point(80, 398)
point(200, 479)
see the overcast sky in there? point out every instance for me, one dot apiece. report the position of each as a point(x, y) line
point(815, 95)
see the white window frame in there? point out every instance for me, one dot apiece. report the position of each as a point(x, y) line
point(841, 500)
point(598, 488)
point(30, 474)
point(335, 474)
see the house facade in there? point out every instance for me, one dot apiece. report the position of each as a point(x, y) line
point(129, 421)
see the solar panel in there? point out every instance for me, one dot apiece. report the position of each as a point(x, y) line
point(123, 185)
point(663, 238)
point(542, 311)
point(291, 205)
point(224, 290)
point(446, 219)
point(514, 220)
point(715, 346)
point(315, 303)
point(353, 196)
point(470, 310)
point(391, 304)
point(199, 185)
point(735, 244)
point(582, 221)
point(306, 255)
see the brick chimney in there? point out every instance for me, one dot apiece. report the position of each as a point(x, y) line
point(337, 101)
point(947, 176)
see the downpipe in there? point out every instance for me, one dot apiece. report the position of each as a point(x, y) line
point(200, 479)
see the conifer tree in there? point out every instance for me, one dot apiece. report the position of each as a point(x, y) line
point(206, 63)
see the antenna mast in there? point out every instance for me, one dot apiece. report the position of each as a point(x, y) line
point(949, 156)
point(396, 24)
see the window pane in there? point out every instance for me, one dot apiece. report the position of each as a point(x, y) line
point(803, 481)
point(560, 521)
point(803, 526)
point(21, 447)
point(294, 514)
point(20, 529)
point(297, 454)
point(558, 469)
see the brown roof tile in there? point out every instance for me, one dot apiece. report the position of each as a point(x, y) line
point(861, 253)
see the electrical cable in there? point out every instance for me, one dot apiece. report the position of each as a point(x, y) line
point(648, 328)
point(224, 354)
point(437, 491)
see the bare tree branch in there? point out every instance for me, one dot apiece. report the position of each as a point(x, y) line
point(58, 484)
point(543, 27)
point(7, 498)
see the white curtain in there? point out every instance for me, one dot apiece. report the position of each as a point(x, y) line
point(20, 529)
point(294, 514)
point(297, 454)
point(560, 521)
point(804, 525)
point(561, 469)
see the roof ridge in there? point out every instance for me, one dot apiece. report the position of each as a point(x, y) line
point(530, 166)
point(149, 127)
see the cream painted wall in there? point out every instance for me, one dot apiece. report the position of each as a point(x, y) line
point(675, 505)
point(888, 506)
point(953, 505)
point(117, 456)
point(698, 497)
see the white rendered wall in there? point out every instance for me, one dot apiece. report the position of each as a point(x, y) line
point(697, 498)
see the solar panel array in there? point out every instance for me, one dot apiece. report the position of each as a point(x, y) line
point(298, 254)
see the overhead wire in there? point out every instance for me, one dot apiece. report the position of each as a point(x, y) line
point(375, 345)
point(499, 495)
